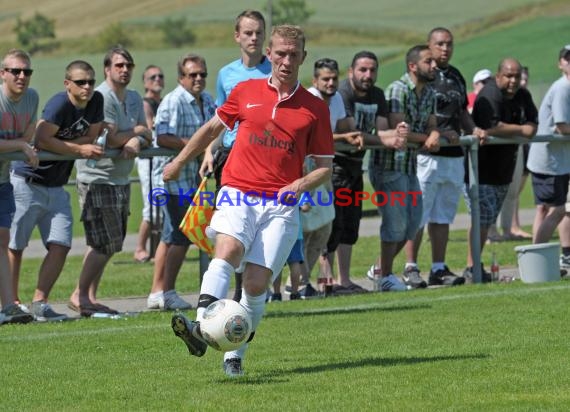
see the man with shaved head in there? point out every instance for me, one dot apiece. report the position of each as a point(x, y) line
point(506, 110)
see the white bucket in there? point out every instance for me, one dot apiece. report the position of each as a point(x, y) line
point(539, 263)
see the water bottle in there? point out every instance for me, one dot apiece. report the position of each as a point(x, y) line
point(101, 141)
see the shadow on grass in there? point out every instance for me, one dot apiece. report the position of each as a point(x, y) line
point(282, 376)
point(346, 310)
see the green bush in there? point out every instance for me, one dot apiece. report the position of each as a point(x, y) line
point(177, 32)
point(34, 34)
point(113, 34)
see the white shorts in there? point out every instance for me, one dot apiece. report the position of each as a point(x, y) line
point(267, 231)
point(441, 182)
point(143, 167)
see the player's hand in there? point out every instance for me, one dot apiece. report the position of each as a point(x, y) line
point(207, 165)
point(432, 143)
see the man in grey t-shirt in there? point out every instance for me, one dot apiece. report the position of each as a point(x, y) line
point(550, 162)
point(104, 190)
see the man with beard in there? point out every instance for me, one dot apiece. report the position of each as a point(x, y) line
point(104, 190)
point(441, 174)
point(366, 104)
point(411, 105)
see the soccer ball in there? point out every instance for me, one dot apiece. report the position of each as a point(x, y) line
point(226, 325)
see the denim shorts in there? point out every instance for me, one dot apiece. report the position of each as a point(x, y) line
point(400, 219)
point(173, 214)
point(297, 255)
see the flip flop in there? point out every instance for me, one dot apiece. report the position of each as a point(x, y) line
point(104, 309)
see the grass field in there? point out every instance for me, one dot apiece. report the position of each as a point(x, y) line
point(500, 347)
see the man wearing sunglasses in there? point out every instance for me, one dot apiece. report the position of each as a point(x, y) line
point(179, 116)
point(18, 112)
point(104, 190)
point(70, 122)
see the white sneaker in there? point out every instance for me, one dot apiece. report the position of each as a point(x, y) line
point(392, 283)
point(370, 273)
point(155, 301)
point(174, 302)
point(23, 308)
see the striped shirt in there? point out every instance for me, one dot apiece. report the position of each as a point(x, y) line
point(179, 114)
point(402, 98)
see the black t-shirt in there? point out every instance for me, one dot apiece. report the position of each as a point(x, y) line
point(364, 110)
point(73, 122)
point(497, 162)
point(451, 101)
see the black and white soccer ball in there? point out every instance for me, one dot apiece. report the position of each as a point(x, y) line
point(226, 325)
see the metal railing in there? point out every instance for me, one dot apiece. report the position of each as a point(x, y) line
point(471, 144)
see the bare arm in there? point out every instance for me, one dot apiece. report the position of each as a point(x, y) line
point(148, 115)
point(196, 145)
point(562, 128)
point(116, 139)
point(171, 142)
point(82, 146)
point(22, 144)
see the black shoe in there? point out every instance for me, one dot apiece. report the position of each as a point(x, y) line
point(294, 296)
point(189, 332)
point(413, 279)
point(232, 368)
point(308, 292)
point(486, 277)
point(444, 277)
point(276, 297)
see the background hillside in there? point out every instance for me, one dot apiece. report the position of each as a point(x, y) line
point(485, 31)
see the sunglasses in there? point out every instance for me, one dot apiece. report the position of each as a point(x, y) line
point(156, 77)
point(127, 65)
point(83, 82)
point(16, 72)
point(203, 75)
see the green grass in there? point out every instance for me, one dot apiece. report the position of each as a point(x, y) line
point(489, 348)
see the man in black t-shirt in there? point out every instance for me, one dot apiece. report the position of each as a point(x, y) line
point(504, 109)
point(70, 123)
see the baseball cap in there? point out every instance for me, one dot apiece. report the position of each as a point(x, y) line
point(481, 75)
point(565, 53)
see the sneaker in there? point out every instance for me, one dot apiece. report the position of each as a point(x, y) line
point(189, 332)
point(391, 283)
point(23, 307)
point(308, 292)
point(486, 277)
point(14, 314)
point(155, 301)
point(413, 279)
point(564, 262)
point(174, 302)
point(275, 297)
point(370, 273)
point(445, 277)
point(294, 296)
point(45, 313)
point(232, 367)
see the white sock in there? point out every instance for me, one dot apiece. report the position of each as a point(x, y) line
point(216, 281)
point(255, 306)
point(411, 265)
point(155, 295)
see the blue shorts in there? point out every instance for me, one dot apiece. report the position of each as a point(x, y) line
point(173, 214)
point(401, 212)
point(297, 255)
point(549, 189)
point(7, 205)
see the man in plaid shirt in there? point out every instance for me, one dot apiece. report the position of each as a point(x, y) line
point(411, 103)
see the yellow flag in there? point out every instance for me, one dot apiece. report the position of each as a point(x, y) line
point(197, 218)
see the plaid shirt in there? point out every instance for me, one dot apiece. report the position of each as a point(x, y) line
point(179, 114)
point(402, 98)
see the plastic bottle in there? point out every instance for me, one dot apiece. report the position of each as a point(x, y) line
point(495, 268)
point(101, 141)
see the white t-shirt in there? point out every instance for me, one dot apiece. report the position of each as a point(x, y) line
point(336, 107)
